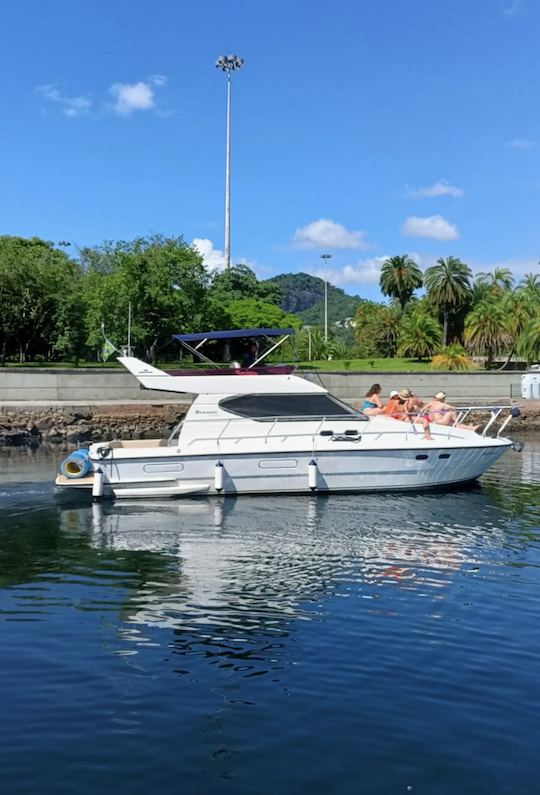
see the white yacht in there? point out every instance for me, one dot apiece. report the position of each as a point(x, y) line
point(251, 432)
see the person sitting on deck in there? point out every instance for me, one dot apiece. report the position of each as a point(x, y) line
point(405, 408)
point(372, 403)
point(392, 403)
point(442, 413)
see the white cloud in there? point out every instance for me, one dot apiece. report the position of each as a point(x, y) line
point(130, 97)
point(435, 227)
point(70, 106)
point(364, 271)
point(440, 188)
point(325, 233)
point(521, 143)
point(213, 258)
point(158, 80)
point(511, 8)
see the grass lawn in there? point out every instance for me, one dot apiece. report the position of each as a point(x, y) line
point(366, 365)
point(335, 365)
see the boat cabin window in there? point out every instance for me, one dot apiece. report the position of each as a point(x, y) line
point(299, 407)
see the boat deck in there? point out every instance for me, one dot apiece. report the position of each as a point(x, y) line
point(81, 483)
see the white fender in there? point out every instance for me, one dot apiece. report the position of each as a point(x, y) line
point(218, 476)
point(97, 486)
point(312, 474)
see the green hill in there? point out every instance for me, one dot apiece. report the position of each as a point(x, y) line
point(303, 295)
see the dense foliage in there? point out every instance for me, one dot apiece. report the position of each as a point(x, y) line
point(304, 295)
point(57, 308)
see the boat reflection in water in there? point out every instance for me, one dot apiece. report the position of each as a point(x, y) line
point(254, 564)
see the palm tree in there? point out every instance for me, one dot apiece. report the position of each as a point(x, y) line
point(518, 307)
point(448, 284)
point(486, 330)
point(453, 357)
point(420, 336)
point(529, 340)
point(400, 277)
point(530, 284)
point(319, 346)
point(386, 330)
point(499, 281)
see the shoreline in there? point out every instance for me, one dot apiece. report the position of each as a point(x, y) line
point(66, 423)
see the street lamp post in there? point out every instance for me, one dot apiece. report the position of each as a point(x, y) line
point(228, 64)
point(325, 258)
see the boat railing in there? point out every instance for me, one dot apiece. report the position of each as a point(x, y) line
point(495, 412)
point(273, 430)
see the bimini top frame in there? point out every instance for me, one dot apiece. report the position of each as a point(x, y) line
point(206, 336)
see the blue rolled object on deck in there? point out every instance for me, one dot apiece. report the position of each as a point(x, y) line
point(77, 464)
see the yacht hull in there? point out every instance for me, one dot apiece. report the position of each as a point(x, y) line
point(293, 472)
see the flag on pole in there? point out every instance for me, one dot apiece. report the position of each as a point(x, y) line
point(108, 347)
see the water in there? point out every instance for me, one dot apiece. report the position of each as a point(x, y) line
point(348, 644)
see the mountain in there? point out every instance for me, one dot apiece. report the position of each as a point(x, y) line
point(303, 295)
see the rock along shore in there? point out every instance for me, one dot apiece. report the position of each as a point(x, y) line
point(73, 425)
point(81, 424)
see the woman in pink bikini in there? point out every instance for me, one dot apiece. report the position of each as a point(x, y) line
point(442, 413)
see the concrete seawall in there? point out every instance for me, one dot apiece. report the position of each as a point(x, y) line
point(461, 388)
point(83, 386)
point(77, 386)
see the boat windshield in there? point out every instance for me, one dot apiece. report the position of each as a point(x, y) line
point(286, 407)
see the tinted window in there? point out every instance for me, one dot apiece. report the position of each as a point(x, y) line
point(286, 406)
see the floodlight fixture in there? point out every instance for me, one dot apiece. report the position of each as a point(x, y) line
point(228, 64)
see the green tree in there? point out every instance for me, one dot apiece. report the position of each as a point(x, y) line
point(448, 285)
point(377, 329)
point(254, 313)
point(239, 281)
point(39, 298)
point(497, 281)
point(386, 329)
point(317, 344)
point(530, 285)
point(163, 278)
point(486, 330)
point(528, 344)
point(452, 357)
point(420, 336)
point(400, 277)
point(518, 309)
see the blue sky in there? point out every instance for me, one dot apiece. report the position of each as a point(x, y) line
point(360, 128)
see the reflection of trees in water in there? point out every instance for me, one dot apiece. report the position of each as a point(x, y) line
point(231, 579)
point(37, 547)
point(514, 486)
point(256, 564)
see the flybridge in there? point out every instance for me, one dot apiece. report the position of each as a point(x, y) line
point(261, 380)
point(188, 341)
point(225, 382)
point(203, 336)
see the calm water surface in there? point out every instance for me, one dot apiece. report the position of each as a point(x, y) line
point(349, 644)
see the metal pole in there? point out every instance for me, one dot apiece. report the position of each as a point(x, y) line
point(228, 178)
point(129, 329)
point(325, 258)
point(309, 344)
point(228, 64)
point(326, 306)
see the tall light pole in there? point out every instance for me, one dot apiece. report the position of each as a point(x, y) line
point(228, 64)
point(325, 258)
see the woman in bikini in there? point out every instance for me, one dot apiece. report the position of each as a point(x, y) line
point(442, 413)
point(372, 403)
